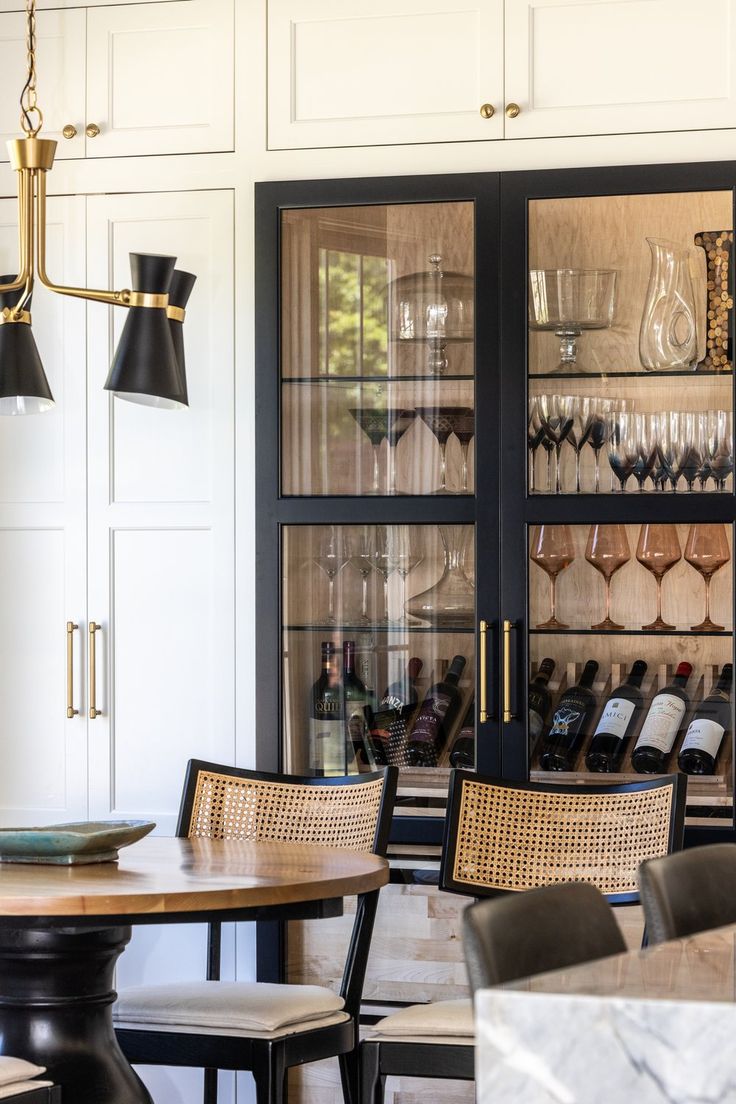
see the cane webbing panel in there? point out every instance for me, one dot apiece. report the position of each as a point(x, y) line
point(251, 809)
point(511, 839)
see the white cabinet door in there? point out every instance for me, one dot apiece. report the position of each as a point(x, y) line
point(394, 71)
point(60, 38)
point(160, 78)
point(620, 66)
point(43, 754)
point(161, 508)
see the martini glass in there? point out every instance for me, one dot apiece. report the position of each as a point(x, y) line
point(374, 424)
point(397, 423)
point(465, 431)
point(442, 420)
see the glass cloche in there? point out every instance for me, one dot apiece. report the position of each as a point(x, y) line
point(435, 307)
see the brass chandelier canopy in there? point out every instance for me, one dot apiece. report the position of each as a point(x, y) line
point(148, 366)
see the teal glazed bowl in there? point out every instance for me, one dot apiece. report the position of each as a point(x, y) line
point(86, 841)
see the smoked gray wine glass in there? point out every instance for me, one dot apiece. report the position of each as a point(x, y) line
point(556, 412)
point(719, 445)
point(648, 426)
point(598, 434)
point(582, 422)
point(623, 444)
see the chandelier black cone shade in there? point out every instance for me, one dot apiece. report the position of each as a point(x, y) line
point(179, 292)
point(145, 369)
point(24, 388)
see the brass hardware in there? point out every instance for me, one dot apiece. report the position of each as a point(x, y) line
point(508, 716)
point(69, 131)
point(512, 110)
point(146, 299)
point(32, 153)
point(93, 710)
point(92, 130)
point(487, 111)
point(9, 315)
point(176, 314)
point(482, 661)
point(70, 710)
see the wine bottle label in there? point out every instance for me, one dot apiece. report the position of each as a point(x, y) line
point(327, 745)
point(663, 723)
point(536, 724)
point(704, 735)
point(430, 719)
point(616, 717)
point(570, 716)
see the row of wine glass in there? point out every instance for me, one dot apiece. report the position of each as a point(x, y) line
point(658, 550)
point(390, 424)
point(695, 446)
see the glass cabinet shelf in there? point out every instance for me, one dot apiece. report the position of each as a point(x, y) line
point(634, 374)
point(627, 632)
point(381, 379)
point(377, 629)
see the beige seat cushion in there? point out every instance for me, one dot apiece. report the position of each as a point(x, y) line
point(448, 1021)
point(229, 1008)
point(17, 1069)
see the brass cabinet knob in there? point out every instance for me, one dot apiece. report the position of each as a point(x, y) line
point(487, 111)
point(92, 130)
point(69, 131)
point(512, 110)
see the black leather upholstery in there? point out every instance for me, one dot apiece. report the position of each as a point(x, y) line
point(689, 891)
point(543, 929)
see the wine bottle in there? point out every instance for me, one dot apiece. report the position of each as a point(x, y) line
point(617, 722)
point(706, 730)
point(404, 691)
point(401, 699)
point(540, 702)
point(662, 724)
point(356, 698)
point(326, 724)
point(570, 723)
point(435, 717)
point(463, 750)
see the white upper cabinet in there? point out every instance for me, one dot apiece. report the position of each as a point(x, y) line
point(392, 71)
point(355, 74)
point(127, 79)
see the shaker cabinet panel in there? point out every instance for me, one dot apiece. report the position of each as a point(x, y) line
point(393, 73)
point(606, 67)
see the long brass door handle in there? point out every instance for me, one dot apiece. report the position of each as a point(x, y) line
point(482, 671)
point(508, 716)
point(93, 710)
point(70, 630)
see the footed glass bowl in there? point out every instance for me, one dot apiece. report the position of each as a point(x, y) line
point(86, 841)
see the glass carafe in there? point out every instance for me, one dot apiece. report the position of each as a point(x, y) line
point(668, 338)
point(450, 603)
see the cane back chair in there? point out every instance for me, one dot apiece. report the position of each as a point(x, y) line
point(506, 837)
point(261, 1027)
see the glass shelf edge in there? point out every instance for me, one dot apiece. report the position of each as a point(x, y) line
point(376, 379)
point(681, 374)
point(625, 632)
point(375, 629)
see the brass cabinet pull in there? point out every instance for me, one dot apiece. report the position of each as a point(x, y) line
point(93, 710)
point(482, 673)
point(512, 110)
point(487, 110)
point(92, 130)
point(70, 710)
point(69, 131)
point(508, 716)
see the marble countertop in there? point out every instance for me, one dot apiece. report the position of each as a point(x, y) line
point(646, 1027)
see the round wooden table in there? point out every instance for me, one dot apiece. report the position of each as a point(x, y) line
point(62, 929)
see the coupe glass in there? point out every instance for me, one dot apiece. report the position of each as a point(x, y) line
point(553, 550)
point(607, 550)
point(598, 435)
point(568, 301)
point(465, 432)
point(556, 413)
point(707, 551)
point(442, 420)
point(331, 558)
point(658, 550)
point(719, 445)
point(409, 553)
point(583, 411)
point(623, 444)
point(359, 551)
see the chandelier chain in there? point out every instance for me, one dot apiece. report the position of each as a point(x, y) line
point(28, 97)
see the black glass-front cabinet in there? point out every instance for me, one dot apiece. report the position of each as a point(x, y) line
point(494, 461)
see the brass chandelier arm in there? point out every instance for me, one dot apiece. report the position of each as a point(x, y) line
point(25, 237)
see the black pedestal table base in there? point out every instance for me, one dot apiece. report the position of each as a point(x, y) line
point(56, 999)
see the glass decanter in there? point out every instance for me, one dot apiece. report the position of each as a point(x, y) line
point(450, 603)
point(668, 338)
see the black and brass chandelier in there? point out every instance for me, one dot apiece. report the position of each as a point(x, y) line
point(148, 366)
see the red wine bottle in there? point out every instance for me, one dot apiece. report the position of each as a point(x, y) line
point(540, 703)
point(662, 724)
point(706, 730)
point(570, 723)
point(356, 698)
point(617, 722)
point(435, 717)
point(463, 750)
point(326, 724)
point(404, 691)
point(400, 700)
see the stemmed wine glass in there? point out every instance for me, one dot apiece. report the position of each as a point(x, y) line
point(719, 445)
point(553, 550)
point(331, 558)
point(535, 434)
point(556, 413)
point(583, 411)
point(658, 550)
point(359, 551)
point(598, 434)
point(647, 437)
point(667, 444)
point(689, 451)
point(442, 420)
point(385, 560)
point(409, 553)
point(465, 432)
point(707, 551)
point(607, 550)
point(623, 444)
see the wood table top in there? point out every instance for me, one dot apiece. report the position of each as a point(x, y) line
point(164, 876)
